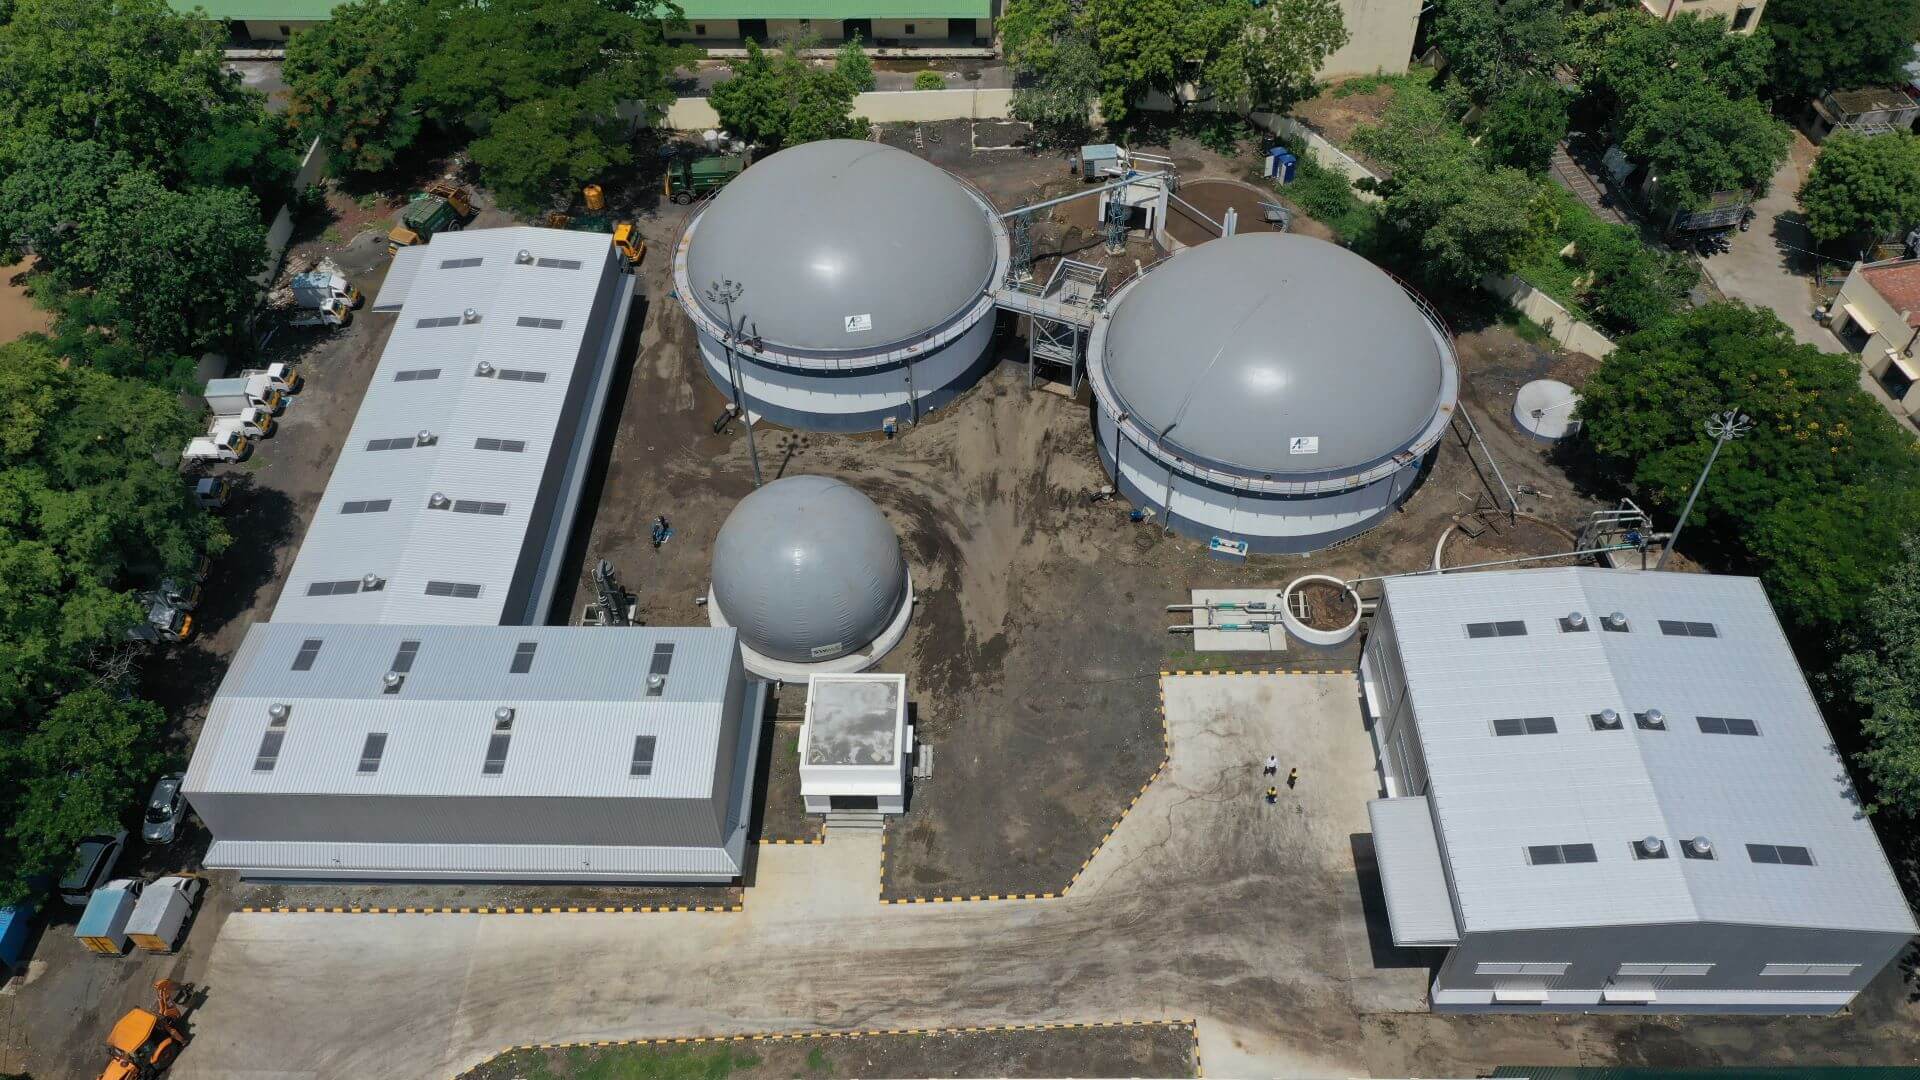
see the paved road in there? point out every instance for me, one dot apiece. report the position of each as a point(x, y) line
point(1205, 903)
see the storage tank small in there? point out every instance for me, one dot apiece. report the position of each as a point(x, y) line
point(855, 278)
point(810, 573)
point(1269, 392)
point(1544, 410)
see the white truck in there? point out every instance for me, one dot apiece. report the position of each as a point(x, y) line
point(285, 378)
point(159, 919)
point(252, 421)
point(227, 397)
point(329, 313)
point(231, 446)
point(323, 283)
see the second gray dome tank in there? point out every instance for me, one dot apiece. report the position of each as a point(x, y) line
point(807, 569)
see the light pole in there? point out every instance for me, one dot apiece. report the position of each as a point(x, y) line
point(1724, 428)
point(724, 292)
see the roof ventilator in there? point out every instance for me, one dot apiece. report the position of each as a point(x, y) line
point(1573, 623)
point(483, 369)
point(656, 683)
point(437, 501)
point(1606, 720)
point(390, 682)
point(503, 718)
point(1654, 719)
point(425, 438)
point(1650, 847)
point(523, 256)
point(470, 315)
point(278, 714)
point(372, 583)
point(1699, 848)
point(1617, 621)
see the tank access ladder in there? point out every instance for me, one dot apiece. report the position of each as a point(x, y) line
point(1059, 315)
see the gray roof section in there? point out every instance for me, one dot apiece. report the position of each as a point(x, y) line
point(401, 273)
point(1494, 796)
point(570, 862)
point(576, 711)
point(808, 569)
point(1248, 342)
point(1412, 878)
point(426, 381)
point(825, 231)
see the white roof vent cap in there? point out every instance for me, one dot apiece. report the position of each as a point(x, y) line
point(1701, 845)
point(470, 315)
point(1576, 619)
point(503, 714)
point(1609, 717)
point(483, 369)
point(424, 438)
point(656, 682)
point(372, 582)
point(523, 256)
point(1651, 846)
point(437, 501)
point(1656, 718)
point(1617, 619)
point(392, 680)
point(277, 711)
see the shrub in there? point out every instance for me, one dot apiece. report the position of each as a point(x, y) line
point(929, 80)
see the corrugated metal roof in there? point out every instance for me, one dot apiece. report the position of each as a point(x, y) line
point(1419, 908)
point(400, 274)
point(570, 861)
point(427, 382)
point(576, 712)
point(1494, 796)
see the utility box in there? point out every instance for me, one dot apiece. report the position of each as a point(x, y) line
point(1281, 164)
point(103, 925)
point(855, 743)
point(160, 917)
point(1097, 160)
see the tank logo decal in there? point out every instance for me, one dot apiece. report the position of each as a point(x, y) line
point(857, 323)
point(835, 649)
point(1303, 444)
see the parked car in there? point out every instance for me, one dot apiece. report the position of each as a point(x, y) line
point(165, 808)
point(93, 860)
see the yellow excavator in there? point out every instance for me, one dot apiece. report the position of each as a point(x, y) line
point(146, 1041)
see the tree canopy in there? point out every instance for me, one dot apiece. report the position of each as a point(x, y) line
point(1822, 45)
point(1493, 44)
point(1863, 186)
point(1697, 141)
point(91, 507)
point(777, 99)
point(1524, 121)
point(542, 87)
point(1879, 675)
point(1812, 499)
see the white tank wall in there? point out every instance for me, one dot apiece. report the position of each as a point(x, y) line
point(1266, 523)
point(830, 401)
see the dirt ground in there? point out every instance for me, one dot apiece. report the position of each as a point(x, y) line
point(1336, 116)
point(1146, 1050)
point(18, 315)
point(1212, 198)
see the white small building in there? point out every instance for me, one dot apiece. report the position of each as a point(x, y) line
point(855, 745)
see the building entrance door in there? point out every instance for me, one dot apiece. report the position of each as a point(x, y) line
point(753, 30)
point(854, 802)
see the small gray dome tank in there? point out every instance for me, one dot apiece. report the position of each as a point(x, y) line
point(808, 569)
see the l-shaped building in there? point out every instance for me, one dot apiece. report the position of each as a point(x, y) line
point(405, 715)
point(1613, 791)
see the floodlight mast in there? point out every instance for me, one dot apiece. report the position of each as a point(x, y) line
point(1723, 428)
point(724, 292)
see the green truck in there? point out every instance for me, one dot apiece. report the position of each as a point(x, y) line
point(688, 178)
point(441, 207)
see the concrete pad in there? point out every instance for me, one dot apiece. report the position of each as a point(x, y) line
point(1273, 639)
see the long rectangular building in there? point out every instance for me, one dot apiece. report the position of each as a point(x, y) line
point(1613, 791)
point(405, 716)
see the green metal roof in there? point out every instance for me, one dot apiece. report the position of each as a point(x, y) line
point(837, 9)
point(260, 10)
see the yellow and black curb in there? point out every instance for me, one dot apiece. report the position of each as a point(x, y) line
point(1192, 1027)
point(1263, 671)
point(821, 839)
point(627, 909)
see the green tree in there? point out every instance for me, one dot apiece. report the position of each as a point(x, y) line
point(1272, 62)
point(1880, 676)
point(1637, 56)
point(852, 63)
point(548, 143)
point(1787, 500)
point(348, 79)
point(1697, 141)
point(929, 80)
point(1469, 223)
point(1822, 45)
point(191, 285)
point(131, 75)
point(1523, 123)
point(1056, 70)
point(1491, 44)
point(776, 99)
point(71, 776)
point(1860, 185)
point(1147, 46)
point(1632, 286)
point(47, 186)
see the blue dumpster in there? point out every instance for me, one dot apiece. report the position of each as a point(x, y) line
point(1281, 164)
point(16, 925)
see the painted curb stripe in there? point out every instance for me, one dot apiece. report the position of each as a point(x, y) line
point(629, 909)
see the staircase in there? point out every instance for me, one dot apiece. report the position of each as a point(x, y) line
point(856, 820)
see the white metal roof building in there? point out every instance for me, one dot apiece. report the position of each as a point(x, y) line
point(462, 752)
point(865, 277)
point(455, 491)
point(1643, 812)
point(405, 716)
point(1269, 389)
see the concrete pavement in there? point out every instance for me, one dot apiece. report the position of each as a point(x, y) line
point(1205, 902)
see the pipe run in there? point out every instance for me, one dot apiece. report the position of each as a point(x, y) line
point(1498, 562)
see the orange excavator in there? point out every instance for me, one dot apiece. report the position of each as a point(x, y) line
point(145, 1042)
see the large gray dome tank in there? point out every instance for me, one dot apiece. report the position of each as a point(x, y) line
point(861, 281)
point(809, 571)
point(1269, 392)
